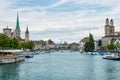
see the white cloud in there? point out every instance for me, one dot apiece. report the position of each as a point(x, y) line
point(57, 4)
point(60, 23)
point(98, 2)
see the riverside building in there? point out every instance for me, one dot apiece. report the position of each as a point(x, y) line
point(110, 33)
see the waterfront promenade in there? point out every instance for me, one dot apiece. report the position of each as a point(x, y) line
point(62, 66)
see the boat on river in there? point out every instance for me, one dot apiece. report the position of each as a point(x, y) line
point(28, 54)
point(36, 52)
point(113, 56)
point(11, 56)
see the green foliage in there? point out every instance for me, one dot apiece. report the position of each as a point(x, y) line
point(92, 42)
point(99, 43)
point(21, 45)
point(26, 45)
point(112, 41)
point(42, 42)
point(89, 46)
point(118, 46)
point(9, 43)
point(50, 41)
point(29, 45)
point(4, 41)
point(110, 46)
point(69, 47)
point(14, 43)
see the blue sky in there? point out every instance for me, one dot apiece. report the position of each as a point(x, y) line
point(69, 20)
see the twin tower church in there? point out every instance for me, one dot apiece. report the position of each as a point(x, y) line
point(110, 33)
point(16, 33)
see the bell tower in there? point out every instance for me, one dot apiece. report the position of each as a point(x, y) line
point(107, 27)
point(112, 27)
point(27, 35)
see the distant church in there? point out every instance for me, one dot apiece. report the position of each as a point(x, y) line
point(110, 33)
point(16, 33)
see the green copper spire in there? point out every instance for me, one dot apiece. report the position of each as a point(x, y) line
point(27, 30)
point(17, 23)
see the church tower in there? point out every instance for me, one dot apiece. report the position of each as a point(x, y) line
point(17, 29)
point(112, 27)
point(7, 31)
point(109, 27)
point(27, 35)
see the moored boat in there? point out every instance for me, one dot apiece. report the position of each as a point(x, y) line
point(11, 56)
point(28, 54)
point(113, 56)
point(36, 52)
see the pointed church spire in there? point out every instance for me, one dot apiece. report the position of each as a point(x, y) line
point(17, 23)
point(27, 30)
point(27, 35)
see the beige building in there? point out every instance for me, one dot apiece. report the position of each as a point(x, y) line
point(109, 32)
point(7, 31)
point(82, 43)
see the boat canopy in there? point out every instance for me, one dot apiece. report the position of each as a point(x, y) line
point(11, 51)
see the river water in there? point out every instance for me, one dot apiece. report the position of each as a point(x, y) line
point(62, 66)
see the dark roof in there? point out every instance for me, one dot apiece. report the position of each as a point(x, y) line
point(86, 39)
point(7, 28)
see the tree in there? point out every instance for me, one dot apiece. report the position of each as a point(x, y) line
point(26, 45)
point(69, 46)
point(14, 43)
point(91, 42)
point(89, 46)
point(4, 41)
point(111, 47)
point(29, 45)
point(21, 45)
point(9, 43)
point(99, 43)
point(112, 41)
point(50, 41)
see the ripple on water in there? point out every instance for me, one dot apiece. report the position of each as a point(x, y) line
point(62, 66)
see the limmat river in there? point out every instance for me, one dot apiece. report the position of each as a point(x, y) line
point(62, 66)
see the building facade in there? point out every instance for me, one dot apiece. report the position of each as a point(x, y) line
point(110, 33)
point(17, 32)
point(7, 31)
